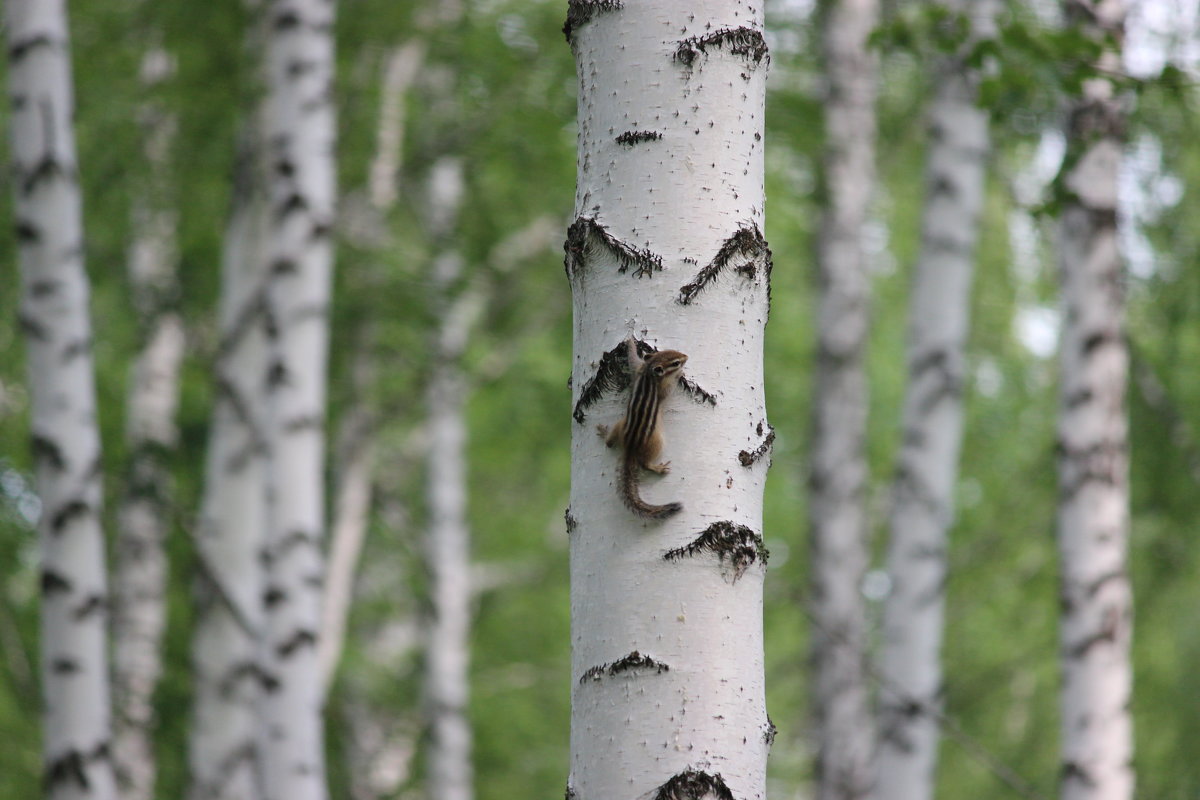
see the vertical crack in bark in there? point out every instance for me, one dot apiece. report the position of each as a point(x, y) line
point(727, 540)
point(694, 784)
point(585, 231)
point(741, 41)
point(747, 241)
point(631, 662)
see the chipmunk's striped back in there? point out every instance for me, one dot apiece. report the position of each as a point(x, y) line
point(641, 433)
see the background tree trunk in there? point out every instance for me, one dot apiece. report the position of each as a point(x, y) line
point(927, 466)
point(447, 539)
point(140, 568)
point(299, 124)
point(223, 750)
point(838, 477)
point(666, 615)
point(55, 319)
point(1093, 452)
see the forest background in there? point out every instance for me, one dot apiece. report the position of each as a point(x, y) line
point(497, 89)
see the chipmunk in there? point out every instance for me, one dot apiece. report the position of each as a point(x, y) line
point(640, 430)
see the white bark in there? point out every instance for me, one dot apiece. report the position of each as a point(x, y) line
point(140, 569)
point(1093, 453)
point(400, 70)
point(66, 442)
point(222, 749)
point(666, 616)
point(299, 126)
point(838, 478)
point(447, 539)
point(927, 466)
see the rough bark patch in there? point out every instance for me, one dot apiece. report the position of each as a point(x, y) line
point(747, 457)
point(580, 12)
point(769, 731)
point(746, 241)
point(634, 137)
point(695, 392)
point(741, 41)
point(569, 518)
point(726, 540)
point(584, 231)
point(612, 375)
point(634, 660)
point(693, 784)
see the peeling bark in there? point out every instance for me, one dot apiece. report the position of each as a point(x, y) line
point(1093, 451)
point(66, 442)
point(838, 476)
point(927, 465)
point(659, 207)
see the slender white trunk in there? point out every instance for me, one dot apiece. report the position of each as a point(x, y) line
point(55, 319)
point(666, 615)
point(927, 467)
point(401, 68)
point(351, 518)
point(140, 568)
point(447, 539)
point(1093, 453)
point(299, 127)
point(838, 477)
point(222, 748)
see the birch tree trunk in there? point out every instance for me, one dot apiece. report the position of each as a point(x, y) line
point(666, 615)
point(300, 151)
point(140, 569)
point(223, 754)
point(447, 540)
point(55, 319)
point(838, 476)
point(927, 466)
point(1093, 453)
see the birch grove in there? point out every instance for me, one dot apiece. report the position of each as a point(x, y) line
point(666, 253)
point(55, 320)
point(299, 134)
point(1093, 451)
point(910, 698)
point(838, 468)
point(140, 568)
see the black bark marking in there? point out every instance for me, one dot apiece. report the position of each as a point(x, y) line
point(570, 520)
point(584, 231)
point(286, 20)
point(24, 47)
point(746, 241)
point(1102, 462)
point(293, 203)
point(277, 375)
point(28, 233)
point(46, 450)
point(695, 392)
point(1074, 771)
point(44, 288)
point(310, 422)
point(636, 137)
point(94, 604)
point(580, 12)
point(54, 582)
point(64, 665)
point(76, 349)
point(747, 457)
point(694, 784)
point(570, 794)
point(68, 512)
point(1097, 339)
point(741, 41)
point(68, 768)
point(633, 661)
point(769, 731)
point(612, 375)
point(726, 540)
point(273, 596)
point(301, 638)
point(32, 329)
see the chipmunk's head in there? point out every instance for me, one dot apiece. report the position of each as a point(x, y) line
point(666, 363)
